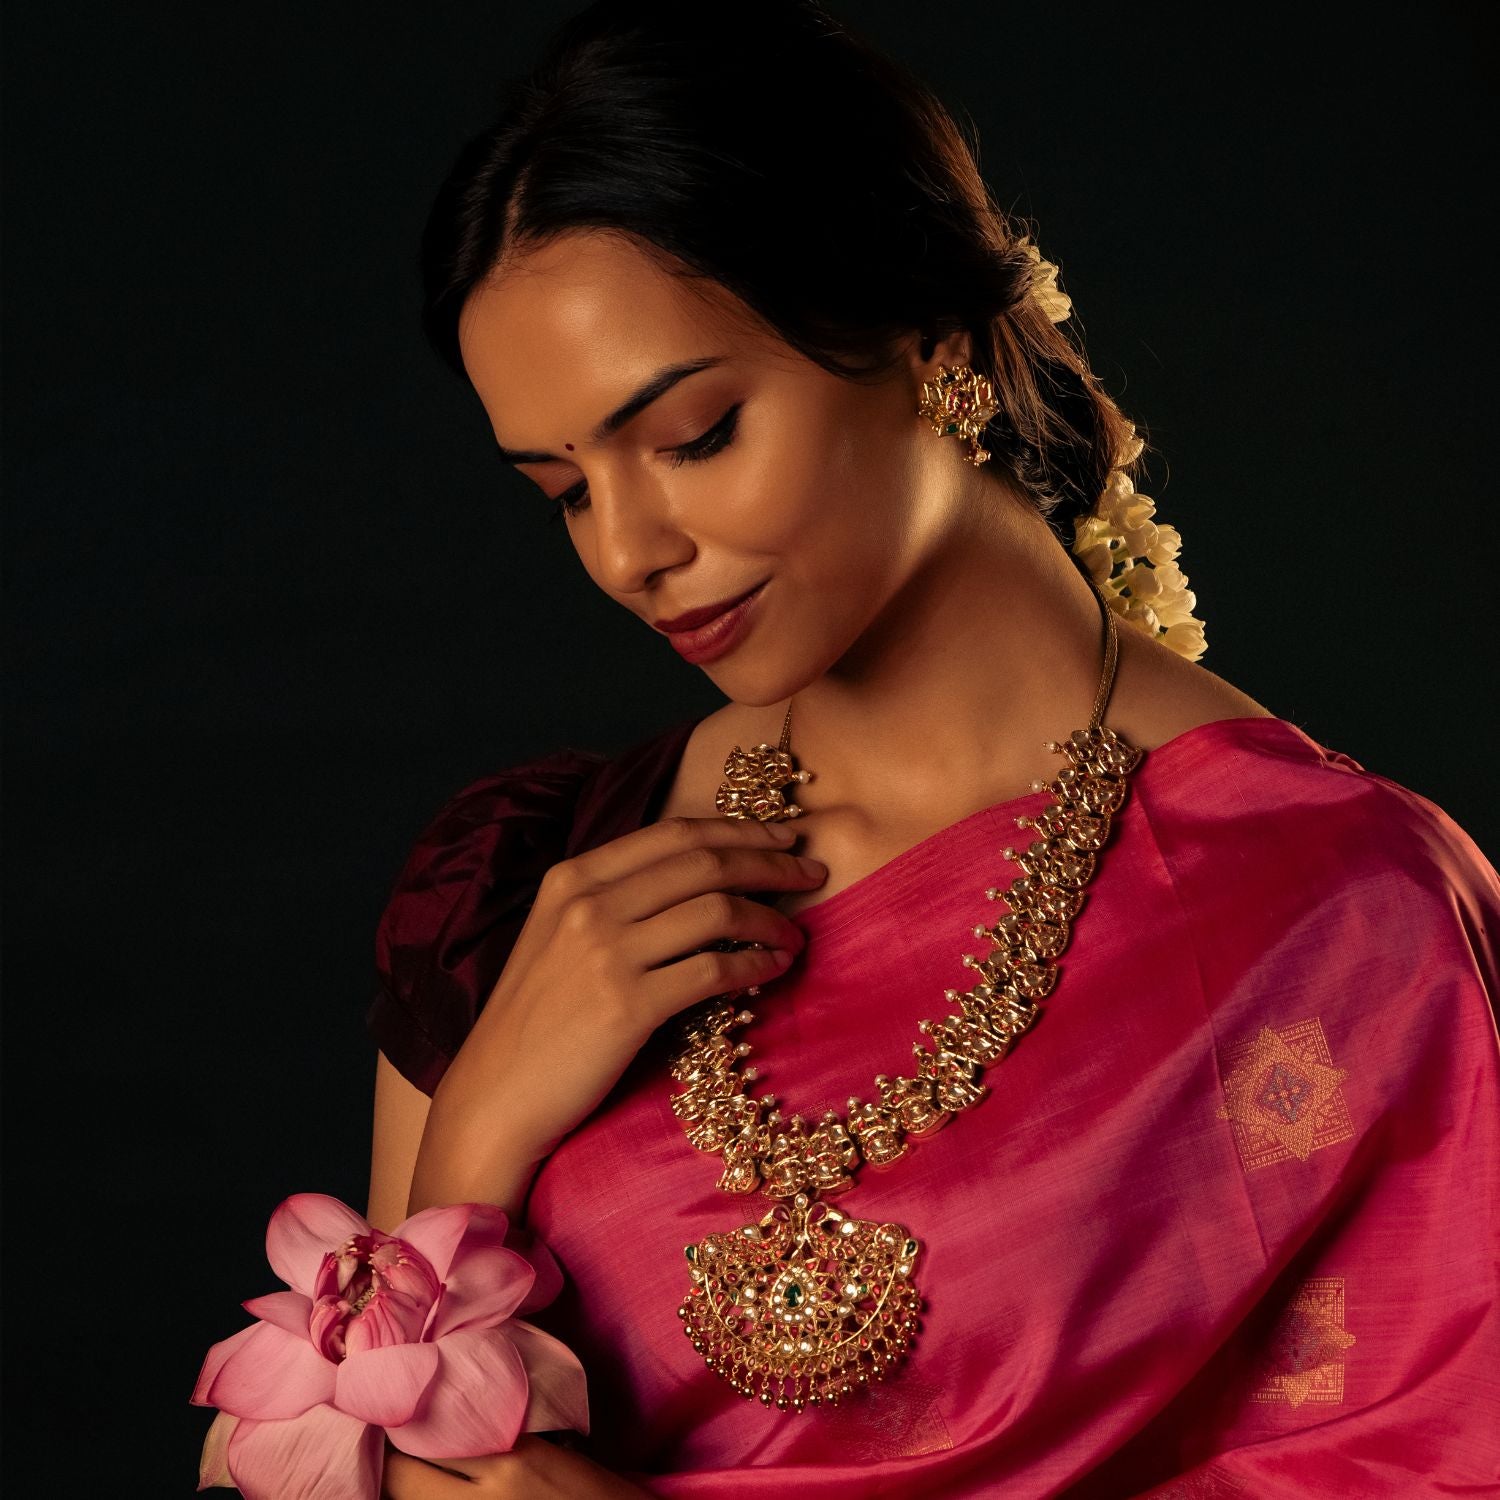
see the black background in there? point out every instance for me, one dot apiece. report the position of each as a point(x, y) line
point(271, 599)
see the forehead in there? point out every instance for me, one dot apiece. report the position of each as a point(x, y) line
point(557, 337)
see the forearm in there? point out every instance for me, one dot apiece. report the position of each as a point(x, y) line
point(472, 1151)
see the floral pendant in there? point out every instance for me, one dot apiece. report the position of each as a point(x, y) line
point(804, 1307)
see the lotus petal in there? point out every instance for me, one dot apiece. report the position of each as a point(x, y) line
point(557, 1387)
point(321, 1455)
point(303, 1229)
point(214, 1361)
point(289, 1310)
point(385, 1385)
point(271, 1375)
point(476, 1403)
point(213, 1462)
point(438, 1232)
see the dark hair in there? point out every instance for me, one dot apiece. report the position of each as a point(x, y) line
point(767, 148)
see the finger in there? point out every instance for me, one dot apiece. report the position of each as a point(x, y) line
point(675, 986)
point(706, 919)
point(709, 867)
point(625, 855)
point(409, 1478)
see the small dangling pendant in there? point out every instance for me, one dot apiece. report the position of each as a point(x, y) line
point(755, 780)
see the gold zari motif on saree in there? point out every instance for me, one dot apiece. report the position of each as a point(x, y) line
point(1283, 1095)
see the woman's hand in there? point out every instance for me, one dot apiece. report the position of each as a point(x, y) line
point(533, 1470)
point(616, 942)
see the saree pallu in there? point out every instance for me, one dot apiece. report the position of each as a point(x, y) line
point(1225, 1223)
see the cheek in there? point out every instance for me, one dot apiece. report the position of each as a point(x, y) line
point(871, 477)
point(826, 489)
point(766, 498)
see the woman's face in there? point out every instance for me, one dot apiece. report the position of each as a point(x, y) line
point(757, 467)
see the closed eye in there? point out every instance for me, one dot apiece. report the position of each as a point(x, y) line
point(719, 436)
point(695, 450)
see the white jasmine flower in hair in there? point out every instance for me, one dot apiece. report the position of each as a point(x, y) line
point(1055, 303)
point(1174, 600)
point(1187, 639)
point(1095, 543)
point(1129, 513)
point(1141, 582)
point(1133, 445)
point(1168, 545)
point(1133, 560)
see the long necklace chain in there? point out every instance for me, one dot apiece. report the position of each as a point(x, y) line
point(809, 1304)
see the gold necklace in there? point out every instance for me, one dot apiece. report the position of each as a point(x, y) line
point(810, 1304)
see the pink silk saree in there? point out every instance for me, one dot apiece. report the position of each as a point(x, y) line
point(1225, 1225)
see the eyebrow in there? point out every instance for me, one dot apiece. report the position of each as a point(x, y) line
point(658, 385)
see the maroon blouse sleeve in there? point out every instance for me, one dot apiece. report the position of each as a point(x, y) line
point(468, 883)
point(459, 904)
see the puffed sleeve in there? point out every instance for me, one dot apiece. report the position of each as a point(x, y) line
point(459, 903)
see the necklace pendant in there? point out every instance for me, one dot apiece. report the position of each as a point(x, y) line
point(804, 1307)
point(754, 785)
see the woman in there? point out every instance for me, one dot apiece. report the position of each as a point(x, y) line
point(1225, 1225)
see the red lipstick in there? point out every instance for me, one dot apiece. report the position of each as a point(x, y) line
point(693, 618)
point(703, 634)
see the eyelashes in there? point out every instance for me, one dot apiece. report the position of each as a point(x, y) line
point(705, 445)
point(718, 437)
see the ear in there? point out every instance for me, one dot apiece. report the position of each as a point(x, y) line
point(928, 352)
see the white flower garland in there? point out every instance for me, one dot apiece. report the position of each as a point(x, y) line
point(1132, 558)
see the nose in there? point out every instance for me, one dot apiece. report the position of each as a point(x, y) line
point(635, 536)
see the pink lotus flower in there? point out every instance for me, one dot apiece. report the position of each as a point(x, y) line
point(410, 1334)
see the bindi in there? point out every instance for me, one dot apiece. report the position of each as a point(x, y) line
point(568, 446)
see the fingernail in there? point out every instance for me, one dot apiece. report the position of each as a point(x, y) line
point(812, 866)
point(782, 832)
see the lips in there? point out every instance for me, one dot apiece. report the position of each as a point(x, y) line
point(696, 617)
point(722, 633)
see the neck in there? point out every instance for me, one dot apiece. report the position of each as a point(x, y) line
point(994, 646)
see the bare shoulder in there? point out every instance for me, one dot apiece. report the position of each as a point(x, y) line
point(1159, 694)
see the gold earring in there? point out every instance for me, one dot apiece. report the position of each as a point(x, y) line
point(960, 403)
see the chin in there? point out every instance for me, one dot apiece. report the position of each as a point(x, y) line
point(752, 680)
